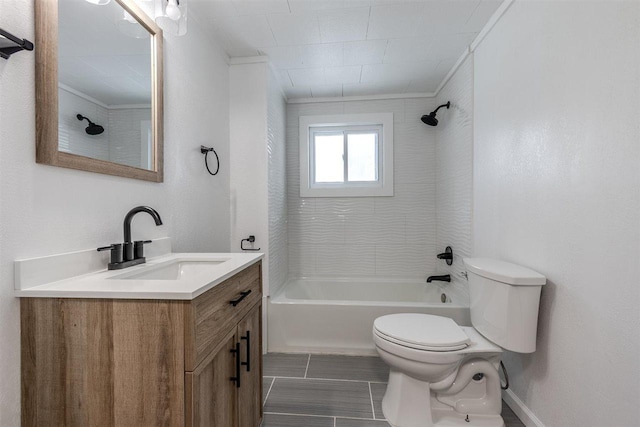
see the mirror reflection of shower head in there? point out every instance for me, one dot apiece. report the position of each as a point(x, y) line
point(430, 118)
point(92, 128)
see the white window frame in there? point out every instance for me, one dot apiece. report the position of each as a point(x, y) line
point(341, 123)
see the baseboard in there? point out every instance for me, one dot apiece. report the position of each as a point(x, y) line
point(520, 409)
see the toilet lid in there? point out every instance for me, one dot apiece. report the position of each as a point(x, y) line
point(421, 331)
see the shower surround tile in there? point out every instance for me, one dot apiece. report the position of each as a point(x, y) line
point(326, 229)
point(356, 236)
point(358, 230)
point(398, 260)
point(348, 206)
point(454, 173)
point(278, 260)
point(345, 260)
point(302, 259)
point(390, 229)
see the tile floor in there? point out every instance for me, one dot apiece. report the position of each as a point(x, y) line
point(314, 390)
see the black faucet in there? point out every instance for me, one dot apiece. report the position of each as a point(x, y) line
point(130, 253)
point(444, 278)
point(128, 244)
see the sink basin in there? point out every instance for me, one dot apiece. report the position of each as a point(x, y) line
point(172, 270)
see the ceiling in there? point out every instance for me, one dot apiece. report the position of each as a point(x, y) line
point(329, 48)
point(97, 59)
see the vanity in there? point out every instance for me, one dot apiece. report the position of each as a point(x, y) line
point(174, 342)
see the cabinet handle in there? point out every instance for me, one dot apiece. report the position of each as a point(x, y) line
point(248, 362)
point(236, 352)
point(242, 296)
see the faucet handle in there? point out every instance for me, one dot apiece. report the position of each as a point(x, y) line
point(138, 248)
point(116, 252)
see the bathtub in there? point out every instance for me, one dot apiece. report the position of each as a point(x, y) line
point(336, 315)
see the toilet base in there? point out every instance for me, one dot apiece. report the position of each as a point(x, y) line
point(452, 419)
point(409, 402)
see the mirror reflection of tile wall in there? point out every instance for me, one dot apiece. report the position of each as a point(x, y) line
point(126, 139)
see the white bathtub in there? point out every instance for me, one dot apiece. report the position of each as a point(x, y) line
point(336, 315)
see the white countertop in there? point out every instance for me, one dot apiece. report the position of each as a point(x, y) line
point(106, 284)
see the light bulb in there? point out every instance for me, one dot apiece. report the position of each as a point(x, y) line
point(172, 11)
point(98, 2)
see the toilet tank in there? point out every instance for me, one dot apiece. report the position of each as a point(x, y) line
point(504, 300)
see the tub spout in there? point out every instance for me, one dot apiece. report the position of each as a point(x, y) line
point(443, 278)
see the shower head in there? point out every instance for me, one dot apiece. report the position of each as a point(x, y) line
point(92, 128)
point(430, 119)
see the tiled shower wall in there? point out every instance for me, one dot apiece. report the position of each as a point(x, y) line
point(454, 171)
point(368, 236)
point(71, 135)
point(125, 135)
point(277, 192)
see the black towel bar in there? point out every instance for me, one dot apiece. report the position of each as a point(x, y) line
point(10, 44)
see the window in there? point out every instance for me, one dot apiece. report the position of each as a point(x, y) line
point(346, 155)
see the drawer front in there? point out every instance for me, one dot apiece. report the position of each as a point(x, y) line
point(211, 316)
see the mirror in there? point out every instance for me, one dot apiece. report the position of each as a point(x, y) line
point(99, 88)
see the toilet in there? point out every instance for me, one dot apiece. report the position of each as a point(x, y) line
point(443, 374)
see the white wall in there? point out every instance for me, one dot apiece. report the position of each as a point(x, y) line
point(557, 189)
point(454, 166)
point(277, 186)
point(249, 161)
point(368, 236)
point(46, 210)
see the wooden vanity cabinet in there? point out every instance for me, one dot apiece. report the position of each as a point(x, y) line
point(226, 388)
point(250, 390)
point(115, 362)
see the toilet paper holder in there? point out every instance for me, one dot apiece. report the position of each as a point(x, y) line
point(250, 239)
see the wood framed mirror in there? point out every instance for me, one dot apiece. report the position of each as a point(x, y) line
point(99, 88)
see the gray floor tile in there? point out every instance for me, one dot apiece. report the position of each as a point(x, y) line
point(282, 420)
point(377, 393)
point(266, 383)
point(285, 365)
point(510, 419)
point(320, 397)
point(351, 422)
point(357, 368)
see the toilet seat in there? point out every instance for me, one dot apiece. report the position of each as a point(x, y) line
point(424, 332)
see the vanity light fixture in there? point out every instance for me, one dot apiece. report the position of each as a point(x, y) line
point(129, 26)
point(171, 16)
point(172, 10)
point(99, 2)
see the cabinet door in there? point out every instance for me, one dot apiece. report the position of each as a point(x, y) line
point(250, 391)
point(211, 398)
